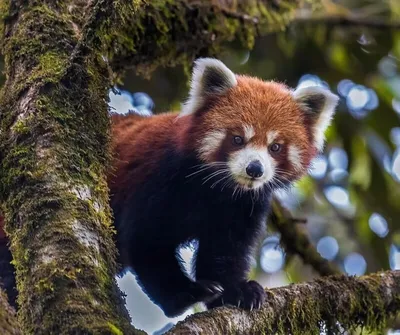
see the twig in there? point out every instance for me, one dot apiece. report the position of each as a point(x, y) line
point(296, 240)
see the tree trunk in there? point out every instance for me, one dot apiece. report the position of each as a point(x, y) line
point(8, 320)
point(53, 145)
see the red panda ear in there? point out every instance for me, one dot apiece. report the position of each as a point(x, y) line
point(210, 77)
point(318, 105)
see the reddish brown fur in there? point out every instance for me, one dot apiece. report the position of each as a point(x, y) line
point(267, 106)
point(140, 141)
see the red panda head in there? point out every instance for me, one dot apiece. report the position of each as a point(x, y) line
point(258, 132)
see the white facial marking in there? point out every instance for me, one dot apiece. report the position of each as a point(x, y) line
point(271, 136)
point(248, 132)
point(295, 157)
point(239, 161)
point(211, 142)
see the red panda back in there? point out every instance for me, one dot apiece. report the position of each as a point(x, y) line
point(137, 144)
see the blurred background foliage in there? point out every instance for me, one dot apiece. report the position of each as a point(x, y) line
point(351, 197)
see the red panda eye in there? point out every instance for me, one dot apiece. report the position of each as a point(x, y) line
point(275, 147)
point(237, 140)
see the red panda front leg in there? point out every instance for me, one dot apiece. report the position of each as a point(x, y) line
point(159, 274)
point(228, 263)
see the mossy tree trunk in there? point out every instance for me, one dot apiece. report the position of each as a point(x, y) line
point(53, 145)
point(8, 320)
point(61, 57)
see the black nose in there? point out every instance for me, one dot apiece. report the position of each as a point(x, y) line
point(255, 169)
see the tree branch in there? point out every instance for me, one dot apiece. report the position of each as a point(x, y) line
point(159, 33)
point(330, 303)
point(297, 241)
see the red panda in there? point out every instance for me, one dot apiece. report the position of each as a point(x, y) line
point(207, 174)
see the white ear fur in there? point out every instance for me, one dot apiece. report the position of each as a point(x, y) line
point(319, 105)
point(210, 77)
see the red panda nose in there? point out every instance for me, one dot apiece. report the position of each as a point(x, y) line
point(255, 169)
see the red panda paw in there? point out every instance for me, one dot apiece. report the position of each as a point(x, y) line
point(207, 290)
point(247, 295)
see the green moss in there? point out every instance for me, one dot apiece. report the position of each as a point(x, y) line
point(51, 67)
point(162, 36)
point(114, 329)
point(54, 146)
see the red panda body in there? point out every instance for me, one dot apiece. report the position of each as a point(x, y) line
point(207, 174)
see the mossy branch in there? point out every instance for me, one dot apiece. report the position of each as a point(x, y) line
point(332, 303)
point(297, 242)
point(8, 319)
point(177, 31)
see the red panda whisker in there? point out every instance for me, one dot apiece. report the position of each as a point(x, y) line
point(229, 182)
point(213, 185)
point(214, 174)
point(234, 191)
point(208, 164)
point(203, 167)
point(200, 170)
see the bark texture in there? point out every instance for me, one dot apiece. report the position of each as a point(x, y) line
point(8, 319)
point(332, 304)
point(53, 137)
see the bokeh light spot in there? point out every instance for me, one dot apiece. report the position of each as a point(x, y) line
point(338, 159)
point(309, 80)
point(337, 196)
point(355, 264)
point(378, 225)
point(396, 165)
point(394, 257)
point(328, 247)
point(319, 165)
point(396, 105)
point(272, 256)
point(339, 176)
point(358, 97)
point(395, 136)
point(344, 87)
point(387, 67)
